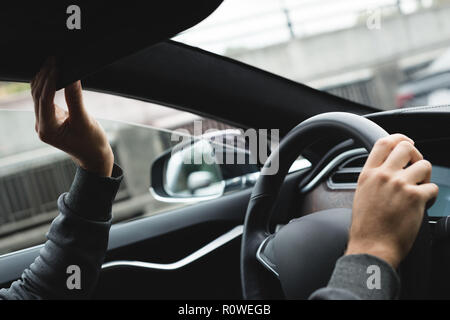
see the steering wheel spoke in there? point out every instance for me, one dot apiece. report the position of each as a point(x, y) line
point(266, 255)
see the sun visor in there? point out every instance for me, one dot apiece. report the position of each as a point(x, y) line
point(86, 36)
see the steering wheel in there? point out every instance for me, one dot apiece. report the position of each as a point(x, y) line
point(302, 254)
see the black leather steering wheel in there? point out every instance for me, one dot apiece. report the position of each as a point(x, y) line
point(302, 254)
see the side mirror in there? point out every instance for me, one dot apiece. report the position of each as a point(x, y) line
point(200, 180)
point(196, 171)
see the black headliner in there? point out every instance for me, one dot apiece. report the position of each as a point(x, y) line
point(198, 81)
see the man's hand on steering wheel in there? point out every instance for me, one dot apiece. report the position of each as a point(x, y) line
point(388, 210)
point(390, 200)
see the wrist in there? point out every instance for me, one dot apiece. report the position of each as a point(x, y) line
point(382, 251)
point(101, 164)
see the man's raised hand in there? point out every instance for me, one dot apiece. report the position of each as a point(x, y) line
point(72, 131)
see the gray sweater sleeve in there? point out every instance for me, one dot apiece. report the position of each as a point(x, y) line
point(77, 237)
point(360, 276)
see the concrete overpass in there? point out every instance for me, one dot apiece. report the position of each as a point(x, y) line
point(359, 54)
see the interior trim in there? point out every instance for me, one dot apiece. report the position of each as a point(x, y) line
point(330, 167)
point(261, 259)
point(194, 199)
point(213, 245)
point(21, 251)
point(343, 185)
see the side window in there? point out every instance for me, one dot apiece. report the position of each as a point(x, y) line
point(142, 135)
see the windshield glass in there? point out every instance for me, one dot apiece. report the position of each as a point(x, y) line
point(386, 54)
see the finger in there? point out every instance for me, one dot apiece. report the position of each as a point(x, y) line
point(383, 148)
point(428, 191)
point(74, 99)
point(36, 89)
point(37, 81)
point(46, 100)
point(34, 84)
point(49, 87)
point(403, 153)
point(33, 81)
point(419, 172)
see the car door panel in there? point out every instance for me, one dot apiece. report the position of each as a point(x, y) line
point(167, 238)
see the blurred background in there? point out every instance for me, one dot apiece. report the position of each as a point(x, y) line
point(383, 53)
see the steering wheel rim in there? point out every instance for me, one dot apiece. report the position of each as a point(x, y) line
point(267, 187)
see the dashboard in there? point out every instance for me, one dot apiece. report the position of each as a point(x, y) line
point(441, 176)
point(334, 185)
point(336, 161)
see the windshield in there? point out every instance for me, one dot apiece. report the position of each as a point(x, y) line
point(386, 54)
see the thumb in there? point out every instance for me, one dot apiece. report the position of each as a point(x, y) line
point(74, 99)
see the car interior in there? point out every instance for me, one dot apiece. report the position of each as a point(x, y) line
point(231, 231)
